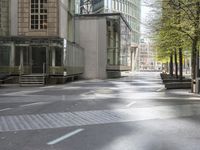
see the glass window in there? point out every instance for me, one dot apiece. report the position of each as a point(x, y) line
point(38, 14)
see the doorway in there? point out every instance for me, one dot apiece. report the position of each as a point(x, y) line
point(38, 59)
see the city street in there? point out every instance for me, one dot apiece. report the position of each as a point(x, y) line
point(130, 113)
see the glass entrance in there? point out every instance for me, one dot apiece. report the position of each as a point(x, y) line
point(38, 59)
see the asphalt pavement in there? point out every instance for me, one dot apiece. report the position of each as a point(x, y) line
point(130, 113)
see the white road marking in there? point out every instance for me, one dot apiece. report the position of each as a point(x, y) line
point(160, 89)
point(32, 104)
point(46, 87)
point(20, 93)
point(71, 88)
point(5, 109)
point(88, 93)
point(64, 137)
point(130, 104)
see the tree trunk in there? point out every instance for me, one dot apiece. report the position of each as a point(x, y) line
point(171, 64)
point(167, 67)
point(193, 63)
point(197, 63)
point(180, 64)
point(176, 64)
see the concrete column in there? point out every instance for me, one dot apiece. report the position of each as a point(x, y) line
point(21, 56)
point(134, 59)
point(47, 60)
point(131, 59)
point(30, 57)
point(12, 55)
point(64, 56)
point(137, 57)
point(21, 61)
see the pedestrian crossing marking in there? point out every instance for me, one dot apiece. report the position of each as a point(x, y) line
point(95, 117)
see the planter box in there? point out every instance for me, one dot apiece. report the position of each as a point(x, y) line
point(178, 85)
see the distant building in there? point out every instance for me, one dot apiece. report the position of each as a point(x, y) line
point(147, 57)
point(37, 37)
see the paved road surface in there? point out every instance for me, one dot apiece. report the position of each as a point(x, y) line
point(131, 113)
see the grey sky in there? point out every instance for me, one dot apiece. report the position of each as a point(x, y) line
point(145, 13)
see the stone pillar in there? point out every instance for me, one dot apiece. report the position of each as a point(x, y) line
point(21, 61)
point(21, 56)
point(131, 59)
point(134, 59)
point(47, 60)
point(53, 57)
point(12, 55)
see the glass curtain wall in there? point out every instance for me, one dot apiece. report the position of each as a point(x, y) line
point(113, 42)
point(131, 11)
point(118, 41)
point(125, 44)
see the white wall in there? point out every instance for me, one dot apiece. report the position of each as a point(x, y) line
point(92, 37)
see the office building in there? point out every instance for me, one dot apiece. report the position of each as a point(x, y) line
point(106, 40)
point(130, 9)
point(37, 37)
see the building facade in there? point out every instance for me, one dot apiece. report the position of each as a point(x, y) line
point(4, 17)
point(106, 40)
point(37, 36)
point(147, 57)
point(131, 10)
